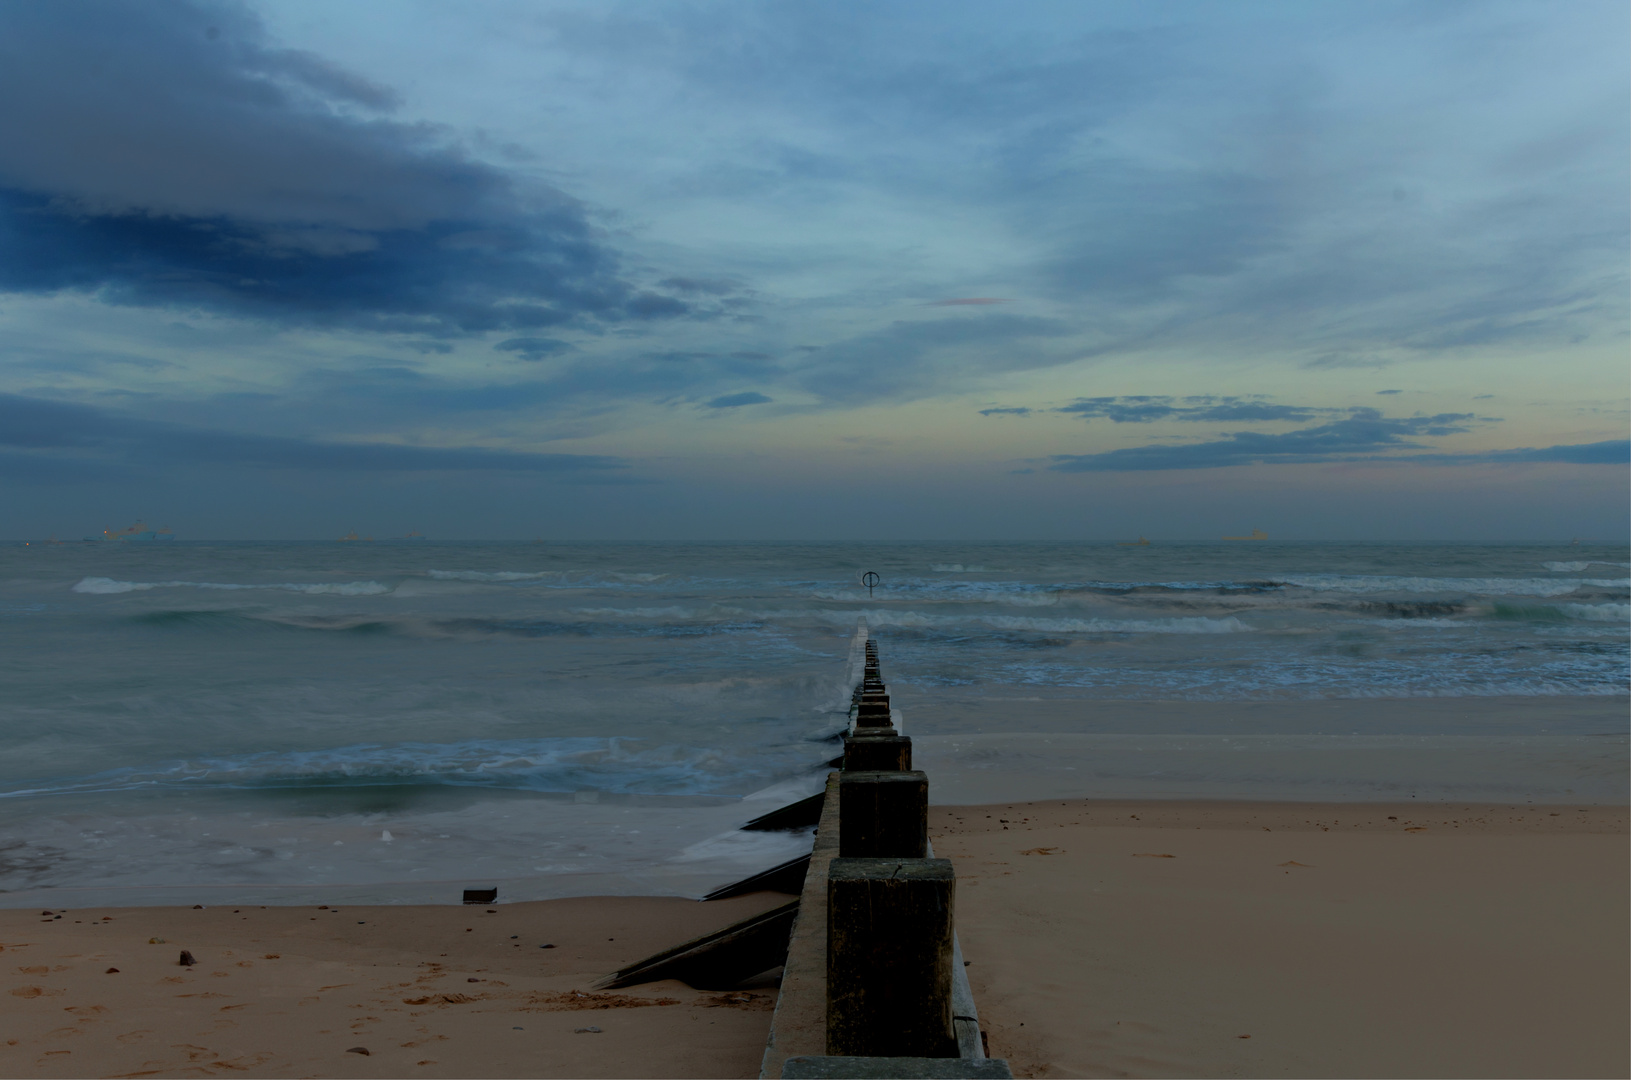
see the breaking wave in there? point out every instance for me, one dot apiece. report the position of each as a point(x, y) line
point(624, 766)
point(1474, 586)
point(101, 586)
point(577, 579)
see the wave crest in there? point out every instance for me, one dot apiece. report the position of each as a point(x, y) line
point(101, 586)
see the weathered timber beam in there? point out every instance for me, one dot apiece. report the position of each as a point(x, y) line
point(787, 878)
point(720, 960)
point(799, 815)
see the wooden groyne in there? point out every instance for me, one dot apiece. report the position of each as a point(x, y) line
point(873, 984)
point(872, 973)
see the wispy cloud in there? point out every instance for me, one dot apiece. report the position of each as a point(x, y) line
point(1145, 409)
point(1361, 435)
point(57, 438)
point(736, 401)
point(533, 348)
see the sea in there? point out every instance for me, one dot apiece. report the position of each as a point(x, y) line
point(187, 722)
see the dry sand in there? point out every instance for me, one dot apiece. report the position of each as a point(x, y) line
point(1278, 939)
point(428, 991)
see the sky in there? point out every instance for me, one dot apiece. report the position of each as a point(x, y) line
point(792, 271)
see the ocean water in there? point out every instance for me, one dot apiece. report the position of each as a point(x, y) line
point(395, 720)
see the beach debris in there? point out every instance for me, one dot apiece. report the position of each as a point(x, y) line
point(198, 907)
point(386, 836)
point(272, 956)
point(186, 959)
point(157, 941)
point(111, 971)
point(785, 878)
point(1045, 851)
point(480, 896)
point(1242, 1036)
point(1415, 828)
point(577, 1000)
point(1294, 862)
point(45, 913)
point(739, 1000)
point(1152, 855)
point(363, 1050)
point(590, 1030)
point(720, 960)
point(546, 946)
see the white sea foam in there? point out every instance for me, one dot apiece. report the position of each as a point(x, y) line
point(673, 612)
point(560, 764)
point(108, 586)
point(1597, 612)
point(1438, 586)
point(893, 617)
point(1576, 567)
point(491, 575)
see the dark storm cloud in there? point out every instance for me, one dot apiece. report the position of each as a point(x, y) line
point(1009, 411)
point(166, 153)
point(1357, 437)
point(47, 438)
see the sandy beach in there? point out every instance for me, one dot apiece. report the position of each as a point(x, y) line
point(427, 991)
point(1104, 939)
point(1283, 939)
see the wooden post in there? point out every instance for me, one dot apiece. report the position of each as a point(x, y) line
point(884, 815)
point(867, 752)
point(889, 957)
point(873, 709)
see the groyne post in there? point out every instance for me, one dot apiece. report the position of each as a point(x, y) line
point(882, 752)
point(889, 958)
point(883, 815)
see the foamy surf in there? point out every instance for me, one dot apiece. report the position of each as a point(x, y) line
point(589, 719)
point(101, 586)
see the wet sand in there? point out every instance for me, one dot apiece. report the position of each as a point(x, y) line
point(1284, 939)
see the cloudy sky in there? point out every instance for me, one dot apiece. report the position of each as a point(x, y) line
point(780, 271)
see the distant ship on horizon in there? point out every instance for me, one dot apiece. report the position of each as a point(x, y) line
point(1140, 542)
point(352, 535)
point(1257, 534)
point(138, 531)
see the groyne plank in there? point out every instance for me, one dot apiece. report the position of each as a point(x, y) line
point(799, 1026)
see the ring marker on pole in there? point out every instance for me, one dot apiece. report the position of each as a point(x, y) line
point(870, 580)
